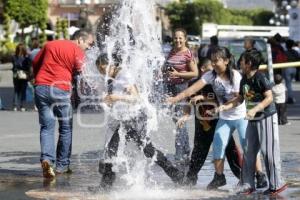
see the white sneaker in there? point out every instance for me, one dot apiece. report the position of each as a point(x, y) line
point(23, 109)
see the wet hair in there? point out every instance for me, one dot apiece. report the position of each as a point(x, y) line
point(254, 57)
point(277, 79)
point(102, 60)
point(224, 53)
point(204, 62)
point(21, 50)
point(80, 34)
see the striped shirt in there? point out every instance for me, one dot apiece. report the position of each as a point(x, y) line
point(179, 61)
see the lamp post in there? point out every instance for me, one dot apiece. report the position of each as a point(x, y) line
point(281, 13)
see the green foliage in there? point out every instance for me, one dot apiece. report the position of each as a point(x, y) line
point(7, 49)
point(64, 25)
point(43, 36)
point(191, 16)
point(6, 26)
point(58, 29)
point(62, 29)
point(27, 12)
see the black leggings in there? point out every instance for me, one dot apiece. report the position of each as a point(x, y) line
point(136, 131)
point(202, 142)
point(20, 87)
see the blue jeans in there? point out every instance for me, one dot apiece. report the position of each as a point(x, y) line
point(182, 146)
point(223, 132)
point(54, 103)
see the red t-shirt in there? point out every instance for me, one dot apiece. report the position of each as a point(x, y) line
point(55, 64)
point(179, 61)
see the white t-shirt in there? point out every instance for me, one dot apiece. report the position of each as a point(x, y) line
point(279, 93)
point(225, 92)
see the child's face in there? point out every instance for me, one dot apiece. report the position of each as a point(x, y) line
point(244, 66)
point(219, 64)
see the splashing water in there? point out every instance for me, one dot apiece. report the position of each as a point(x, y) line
point(133, 39)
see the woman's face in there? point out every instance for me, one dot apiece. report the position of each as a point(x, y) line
point(179, 39)
point(219, 64)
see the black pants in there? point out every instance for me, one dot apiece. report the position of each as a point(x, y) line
point(20, 87)
point(202, 141)
point(136, 131)
point(281, 111)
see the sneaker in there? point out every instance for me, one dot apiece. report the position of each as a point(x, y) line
point(107, 180)
point(274, 192)
point(48, 171)
point(245, 189)
point(178, 177)
point(66, 171)
point(218, 181)
point(261, 180)
point(108, 177)
point(190, 181)
point(23, 109)
point(15, 109)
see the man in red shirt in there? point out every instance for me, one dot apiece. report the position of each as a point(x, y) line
point(53, 69)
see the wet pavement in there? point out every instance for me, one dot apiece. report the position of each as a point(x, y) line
point(21, 179)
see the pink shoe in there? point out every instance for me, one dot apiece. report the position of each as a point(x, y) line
point(275, 192)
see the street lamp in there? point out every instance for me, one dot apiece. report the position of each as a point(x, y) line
point(281, 16)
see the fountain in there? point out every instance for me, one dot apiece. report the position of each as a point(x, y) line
point(130, 36)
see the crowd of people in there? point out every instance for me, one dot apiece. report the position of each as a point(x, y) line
point(226, 95)
point(244, 102)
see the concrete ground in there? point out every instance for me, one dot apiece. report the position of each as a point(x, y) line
point(20, 173)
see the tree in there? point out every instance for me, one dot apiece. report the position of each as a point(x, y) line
point(191, 15)
point(27, 12)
